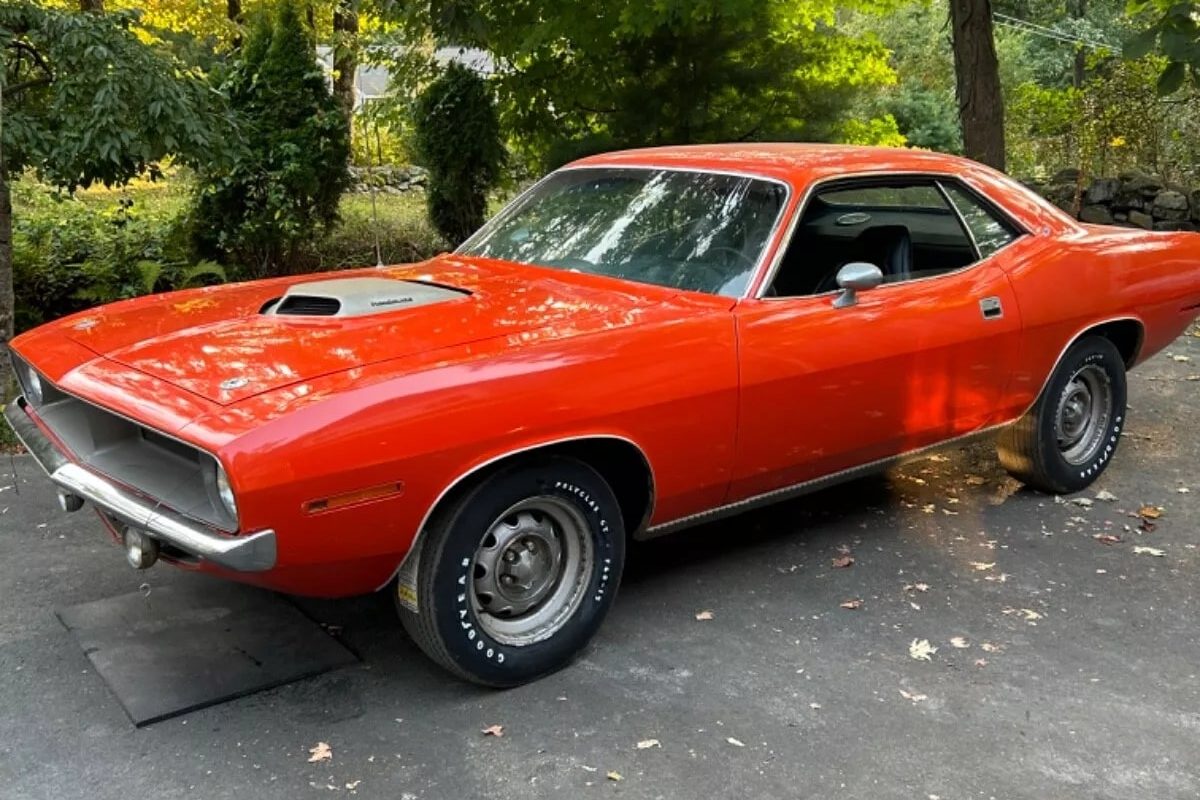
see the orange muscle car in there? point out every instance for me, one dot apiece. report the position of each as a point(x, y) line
point(642, 341)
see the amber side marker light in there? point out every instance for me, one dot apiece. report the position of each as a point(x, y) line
point(357, 497)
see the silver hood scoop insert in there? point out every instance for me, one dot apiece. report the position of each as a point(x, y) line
point(356, 297)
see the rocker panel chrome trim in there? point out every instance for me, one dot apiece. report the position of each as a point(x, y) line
point(806, 487)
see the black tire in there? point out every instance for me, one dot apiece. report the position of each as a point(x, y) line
point(447, 620)
point(1031, 448)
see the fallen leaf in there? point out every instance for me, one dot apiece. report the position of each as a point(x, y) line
point(352, 785)
point(1106, 538)
point(988, 647)
point(981, 662)
point(1183, 490)
point(959, 642)
point(853, 604)
point(735, 742)
point(914, 696)
point(1148, 551)
point(983, 566)
point(1150, 512)
point(929, 508)
point(322, 752)
point(815, 706)
point(1001, 578)
point(1027, 614)
point(646, 744)
point(1181, 359)
point(1146, 526)
point(921, 650)
point(704, 615)
point(976, 480)
point(921, 587)
point(1083, 502)
point(1106, 496)
point(493, 730)
point(614, 776)
point(841, 562)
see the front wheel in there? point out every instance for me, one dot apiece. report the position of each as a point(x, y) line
point(1069, 436)
point(514, 576)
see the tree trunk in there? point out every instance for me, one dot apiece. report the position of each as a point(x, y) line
point(233, 11)
point(92, 5)
point(345, 54)
point(7, 302)
point(977, 80)
point(1078, 10)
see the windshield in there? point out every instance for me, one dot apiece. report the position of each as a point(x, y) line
point(690, 230)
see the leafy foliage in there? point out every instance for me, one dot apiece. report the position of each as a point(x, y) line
point(87, 101)
point(458, 139)
point(598, 74)
point(1175, 28)
point(283, 187)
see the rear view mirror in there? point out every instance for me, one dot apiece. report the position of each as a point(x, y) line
point(853, 278)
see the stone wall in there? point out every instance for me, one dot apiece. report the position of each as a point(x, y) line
point(388, 180)
point(1132, 200)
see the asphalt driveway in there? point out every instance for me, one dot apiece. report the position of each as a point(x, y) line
point(1005, 645)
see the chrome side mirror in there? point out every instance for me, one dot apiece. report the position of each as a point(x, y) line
point(853, 278)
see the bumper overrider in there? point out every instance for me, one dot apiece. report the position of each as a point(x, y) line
point(254, 552)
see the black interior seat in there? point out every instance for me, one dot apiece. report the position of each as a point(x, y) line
point(888, 247)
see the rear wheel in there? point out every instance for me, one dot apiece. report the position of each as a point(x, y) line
point(514, 576)
point(1069, 436)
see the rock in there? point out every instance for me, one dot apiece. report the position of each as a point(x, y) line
point(1143, 184)
point(1096, 215)
point(1141, 220)
point(1164, 225)
point(1195, 202)
point(1060, 193)
point(1171, 206)
point(1069, 175)
point(1120, 216)
point(1102, 191)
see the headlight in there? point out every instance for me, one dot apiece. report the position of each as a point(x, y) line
point(225, 491)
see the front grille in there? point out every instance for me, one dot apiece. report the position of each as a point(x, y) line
point(166, 470)
point(309, 306)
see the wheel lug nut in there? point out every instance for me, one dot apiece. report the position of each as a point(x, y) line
point(506, 579)
point(530, 545)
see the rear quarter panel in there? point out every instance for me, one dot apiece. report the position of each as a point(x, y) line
point(1089, 275)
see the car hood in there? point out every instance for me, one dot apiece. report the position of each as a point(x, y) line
point(226, 343)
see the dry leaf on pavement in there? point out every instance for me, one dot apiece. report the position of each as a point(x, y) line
point(841, 562)
point(704, 615)
point(1082, 502)
point(493, 730)
point(916, 697)
point(1148, 551)
point(983, 566)
point(735, 742)
point(921, 650)
point(613, 775)
point(959, 642)
point(853, 604)
point(322, 752)
point(646, 744)
point(1150, 512)
point(1106, 538)
point(988, 647)
point(1106, 495)
point(1027, 614)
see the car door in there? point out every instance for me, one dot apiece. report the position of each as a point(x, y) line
point(914, 362)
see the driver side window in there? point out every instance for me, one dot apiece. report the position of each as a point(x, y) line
point(906, 227)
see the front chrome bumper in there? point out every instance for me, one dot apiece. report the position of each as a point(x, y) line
point(251, 553)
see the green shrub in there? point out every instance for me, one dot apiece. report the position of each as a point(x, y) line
point(458, 139)
point(284, 185)
point(70, 253)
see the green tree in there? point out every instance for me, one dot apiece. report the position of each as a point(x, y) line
point(84, 100)
point(284, 186)
point(1174, 27)
point(597, 74)
point(458, 139)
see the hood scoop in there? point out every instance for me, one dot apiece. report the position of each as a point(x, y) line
point(356, 297)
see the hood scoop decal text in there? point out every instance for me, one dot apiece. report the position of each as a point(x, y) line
point(356, 297)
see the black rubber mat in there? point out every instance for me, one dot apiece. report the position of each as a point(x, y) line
point(196, 643)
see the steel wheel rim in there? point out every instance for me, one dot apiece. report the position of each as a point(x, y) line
point(531, 570)
point(1083, 413)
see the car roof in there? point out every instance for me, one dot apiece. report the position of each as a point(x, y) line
point(793, 162)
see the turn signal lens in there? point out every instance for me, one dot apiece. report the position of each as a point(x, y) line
point(226, 492)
